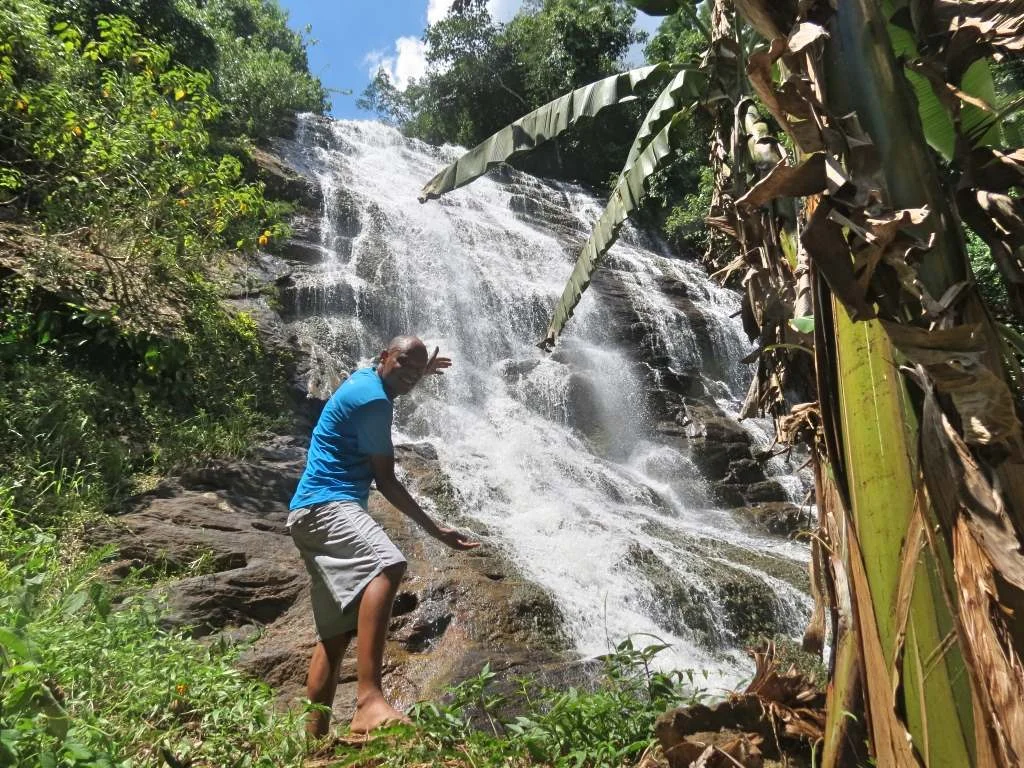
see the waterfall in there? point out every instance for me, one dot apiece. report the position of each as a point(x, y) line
point(558, 459)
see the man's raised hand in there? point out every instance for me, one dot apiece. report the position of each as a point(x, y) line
point(456, 539)
point(436, 365)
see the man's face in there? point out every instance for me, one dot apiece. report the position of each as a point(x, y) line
point(401, 370)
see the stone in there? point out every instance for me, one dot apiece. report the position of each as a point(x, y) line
point(744, 470)
point(707, 421)
point(780, 518)
point(284, 180)
point(766, 490)
point(217, 535)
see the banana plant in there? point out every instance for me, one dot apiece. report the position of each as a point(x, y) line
point(916, 428)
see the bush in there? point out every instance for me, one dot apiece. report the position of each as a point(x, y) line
point(89, 679)
point(609, 726)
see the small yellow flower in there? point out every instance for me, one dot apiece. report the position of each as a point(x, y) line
point(76, 130)
point(263, 240)
point(183, 202)
point(181, 689)
point(21, 105)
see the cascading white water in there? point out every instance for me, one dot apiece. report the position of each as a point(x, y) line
point(577, 513)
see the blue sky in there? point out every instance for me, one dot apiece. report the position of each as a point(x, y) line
point(355, 37)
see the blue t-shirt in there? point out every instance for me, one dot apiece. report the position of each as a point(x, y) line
point(355, 423)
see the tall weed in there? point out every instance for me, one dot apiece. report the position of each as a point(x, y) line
point(89, 679)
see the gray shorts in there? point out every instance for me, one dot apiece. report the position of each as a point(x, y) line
point(344, 549)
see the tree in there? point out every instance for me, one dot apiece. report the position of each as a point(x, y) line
point(850, 240)
point(483, 74)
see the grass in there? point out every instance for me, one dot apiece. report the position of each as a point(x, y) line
point(479, 724)
point(89, 679)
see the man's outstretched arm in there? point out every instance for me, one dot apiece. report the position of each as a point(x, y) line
point(393, 490)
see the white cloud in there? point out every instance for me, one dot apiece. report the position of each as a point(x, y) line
point(411, 62)
point(438, 9)
point(408, 61)
point(502, 10)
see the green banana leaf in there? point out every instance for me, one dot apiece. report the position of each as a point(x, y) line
point(544, 123)
point(939, 131)
point(688, 85)
point(623, 201)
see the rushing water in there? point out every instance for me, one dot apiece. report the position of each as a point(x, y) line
point(466, 273)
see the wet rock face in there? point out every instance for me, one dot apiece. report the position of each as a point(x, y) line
point(221, 528)
point(716, 607)
point(284, 181)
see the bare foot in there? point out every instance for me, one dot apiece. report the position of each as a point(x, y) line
point(374, 713)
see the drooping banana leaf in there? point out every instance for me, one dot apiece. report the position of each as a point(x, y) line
point(544, 123)
point(687, 86)
point(623, 201)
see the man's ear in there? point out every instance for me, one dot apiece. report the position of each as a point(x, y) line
point(382, 358)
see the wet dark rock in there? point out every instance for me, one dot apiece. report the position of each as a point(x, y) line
point(301, 300)
point(285, 181)
point(728, 494)
point(305, 225)
point(778, 517)
point(718, 604)
point(744, 470)
point(749, 605)
point(707, 420)
point(677, 607)
point(766, 490)
point(582, 409)
point(534, 209)
point(302, 251)
point(715, 457)
point(514, 370)
point(346, 217)
point(680, 383)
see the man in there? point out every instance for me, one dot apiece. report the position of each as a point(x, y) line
point(354, 567)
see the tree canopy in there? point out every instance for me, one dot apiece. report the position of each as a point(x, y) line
point(482, 74)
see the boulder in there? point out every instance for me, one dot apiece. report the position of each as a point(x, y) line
point(283, 180)
point(218, 531)
point(781, 518)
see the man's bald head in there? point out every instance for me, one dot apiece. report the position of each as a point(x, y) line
point(402, 364)
point(401, 344)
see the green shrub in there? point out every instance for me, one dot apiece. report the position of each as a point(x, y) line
point(606, 727)
point(89, 679)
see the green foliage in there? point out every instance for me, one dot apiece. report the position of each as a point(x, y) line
point(106, 133)
point(678, 39)
point(89, 406)
point(609, 725)
point(990, 281)
point(679, 195)
point(118, 361)
point(88, 679)
point(483, 75)
point(105, 143)
point(261, 73)
point(259, 67)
